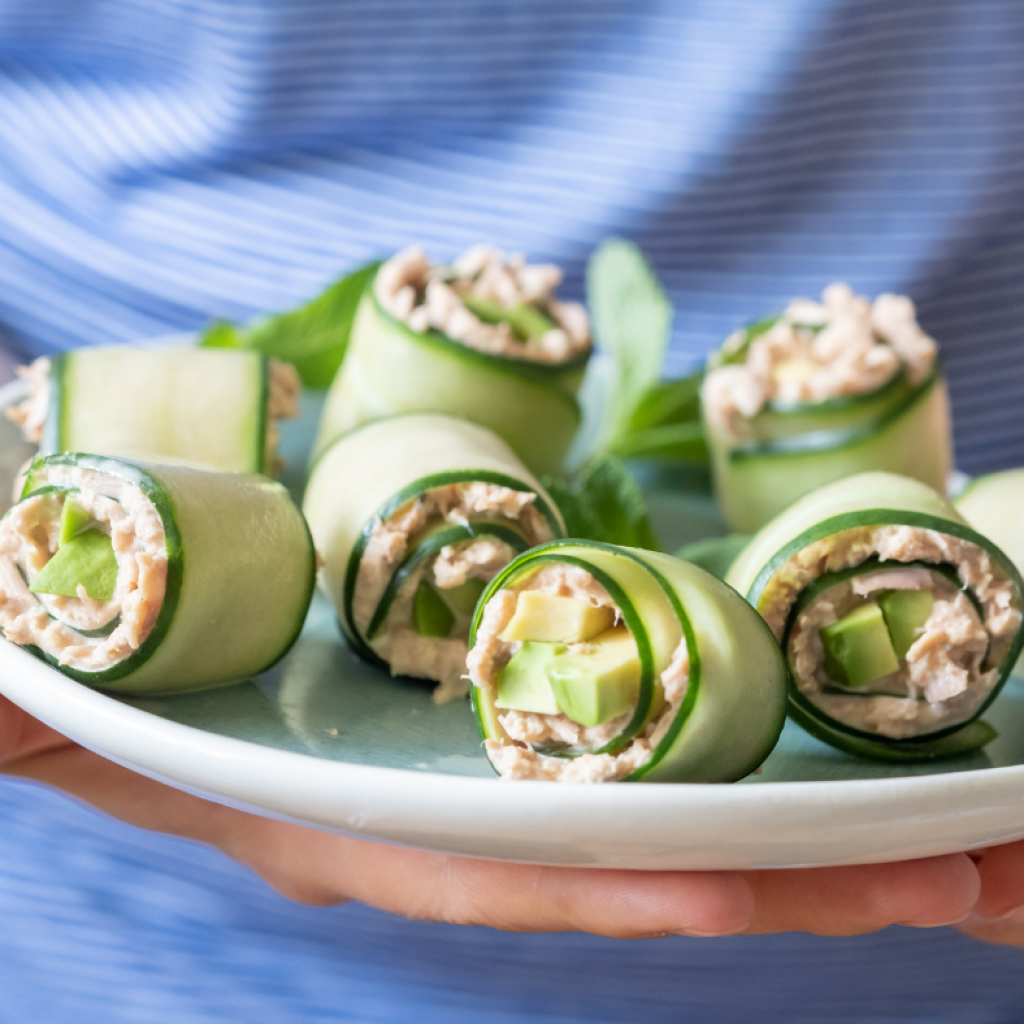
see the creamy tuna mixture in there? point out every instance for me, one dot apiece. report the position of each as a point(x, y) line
point(514, 757)
point(843, 345)
point(405, 651)
point(30, 413)
point(426, 295)
point(953, 664)
point(28, 539)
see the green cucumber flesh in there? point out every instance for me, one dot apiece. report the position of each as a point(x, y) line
point(391, 369)
point(431, 617)
point(756, 483)
point(205, 406)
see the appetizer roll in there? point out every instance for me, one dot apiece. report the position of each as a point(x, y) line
point(145, 578)
point(484, 339)
point(413, 515)
point(898, 621)
point(594, 663)
point(216, 407)
point(823, 391)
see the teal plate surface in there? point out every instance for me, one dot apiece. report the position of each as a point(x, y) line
point(327, 740)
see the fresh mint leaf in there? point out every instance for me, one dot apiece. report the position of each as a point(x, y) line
point(632, 320)
point(604, 503)
point(674, 401)
point(313, 337)
point(682, 444)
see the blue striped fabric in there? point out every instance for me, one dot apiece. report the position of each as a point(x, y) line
point(167, 161)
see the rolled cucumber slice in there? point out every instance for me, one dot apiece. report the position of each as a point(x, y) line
point(205, 406)
point(792, 449)
point(392, 369)
point(240, 570)
point(364, 477)
point(735, 698)
point(862, 502)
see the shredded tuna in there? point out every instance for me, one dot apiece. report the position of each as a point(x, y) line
point(427, 296)
point(282, 404)
point(891, 579)
point(30, 413)
point(516, 758)
point(28, 539)
point(843, 345)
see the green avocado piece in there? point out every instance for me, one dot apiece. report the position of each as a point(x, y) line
point(905, 612)
point(523, 682)
point(594, 686)
point(87, 560)
point(462, 599)
point(73, 520)
point(857, 647)
point(430, 615)
point(526, 321)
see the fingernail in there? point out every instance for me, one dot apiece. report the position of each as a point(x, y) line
point(1014, 916)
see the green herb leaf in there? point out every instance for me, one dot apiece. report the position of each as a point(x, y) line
point(682, 444)
point(604, 503)
point(313, 337)
point(674, 401)
point(632, 319)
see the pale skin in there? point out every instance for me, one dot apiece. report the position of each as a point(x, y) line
point(321, 869)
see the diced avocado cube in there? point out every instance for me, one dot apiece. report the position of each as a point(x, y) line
point(73, 520)
point(88, 560)
point(484, 309)
point(554, 619)
point(430, 615)
point(594, 686)
point(527, 322)
point(462, 599)
point(857, 647)
point(905, 613)
point(523, 682)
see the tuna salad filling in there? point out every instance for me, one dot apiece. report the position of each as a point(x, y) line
point(898, 631)
point(83, 569)
point(556, 659)
point(415, 594)
point(814, 351)
point(488, 301)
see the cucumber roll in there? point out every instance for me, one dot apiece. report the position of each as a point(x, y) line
point(146, 578)
point(484, 339)
point(595, 663)
point(822, 391)
point(413, 515)
point(899, 622)
point(215, 407)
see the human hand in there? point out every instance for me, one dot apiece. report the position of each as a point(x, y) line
point(320, 868)
point(999, 913)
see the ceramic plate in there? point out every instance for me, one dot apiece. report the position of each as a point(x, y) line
point(325, 740)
